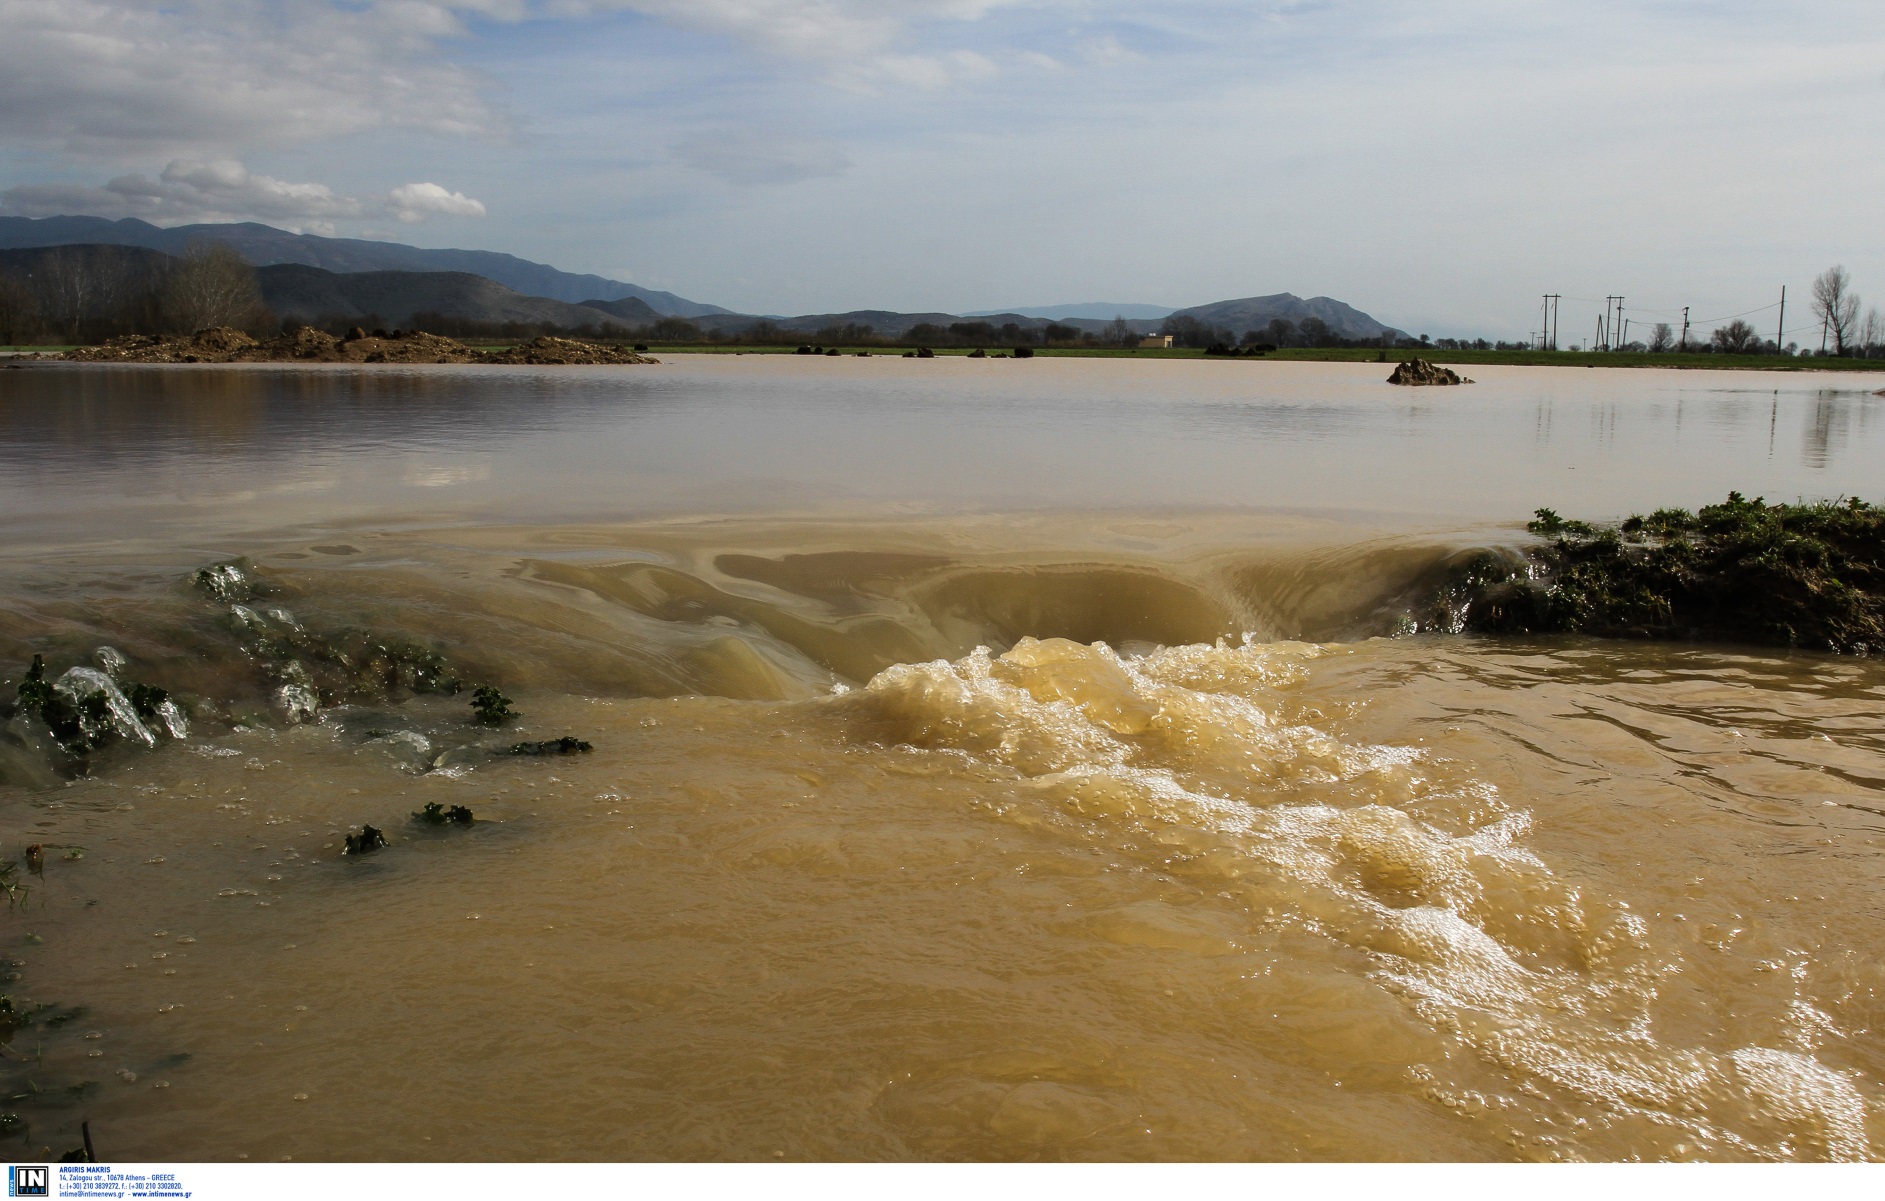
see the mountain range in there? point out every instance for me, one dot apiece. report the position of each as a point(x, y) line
point(311, 278)
point(1092, 310)
point(264, 245)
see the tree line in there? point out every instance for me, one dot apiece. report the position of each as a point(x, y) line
point(78, 294)
point(90, 293)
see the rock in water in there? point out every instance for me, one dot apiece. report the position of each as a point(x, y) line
point(1417, 373)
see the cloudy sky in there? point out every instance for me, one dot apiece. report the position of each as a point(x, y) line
point(1438, 163)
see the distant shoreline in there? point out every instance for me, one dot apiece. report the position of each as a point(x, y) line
point(1466, 358)
point(1505, 358)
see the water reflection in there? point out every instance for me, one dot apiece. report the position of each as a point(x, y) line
point(1829, 425)
point(133, 449)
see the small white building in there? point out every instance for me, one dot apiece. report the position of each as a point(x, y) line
point(1156, 342)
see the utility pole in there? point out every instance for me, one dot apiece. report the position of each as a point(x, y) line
point(1824, 324)
point(1685, 328)
point(1551, 323)
point(1780, 331)
point(1600, 342)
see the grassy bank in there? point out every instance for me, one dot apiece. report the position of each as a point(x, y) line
point(1810, 576)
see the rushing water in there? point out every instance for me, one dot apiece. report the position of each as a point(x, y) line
point(993, 759)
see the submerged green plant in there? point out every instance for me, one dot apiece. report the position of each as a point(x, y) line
point(230, 583)
point(566, 745)
point(16, 892)
point(490, 707)
point(34, 692)
point(370, 838)
point(1801, 575)
point(436, 814)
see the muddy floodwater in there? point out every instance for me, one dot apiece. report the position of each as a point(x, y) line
point(991, 759)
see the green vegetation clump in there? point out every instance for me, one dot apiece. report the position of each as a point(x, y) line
point(436, 814)
point(1808, 575)
point(79, 726)
point(370, 838)
point(231, 583)
point(489, 707)
point(566, 745)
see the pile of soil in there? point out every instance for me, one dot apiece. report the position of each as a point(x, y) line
point(407, 346)
point(219, 345)
point(556, 351)
point(304, 345)
point(1418, 373)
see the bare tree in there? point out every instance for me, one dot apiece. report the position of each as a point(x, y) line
point(1661, 338)
point(1872, 333)
point(1118, 333)
point(1736, 337)
point(64, 283)
point(125, 289)
point(19, 310)
point(1835, 303)
point(211, 286)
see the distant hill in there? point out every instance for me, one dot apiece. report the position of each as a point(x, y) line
point(304, 293)
point(1092, 311)
point(1256, 312)
point(880, 321)
point(305, 277)
point(629, 308)
point(264, 245)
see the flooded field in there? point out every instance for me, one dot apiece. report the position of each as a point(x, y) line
point(988, 759)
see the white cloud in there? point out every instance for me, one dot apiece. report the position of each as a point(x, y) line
point(417, 201)
point(863, 43)
point(818, 29)
point(211, 78)
point(191, 191)
point(122, 78)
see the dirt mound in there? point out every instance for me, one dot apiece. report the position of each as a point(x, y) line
point(304, 345)
point(218, 345)
point(300, 345)
point(1418, 373)
point(409, 346)
point(548, 351)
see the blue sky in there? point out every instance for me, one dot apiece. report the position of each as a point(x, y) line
point(1437, 164)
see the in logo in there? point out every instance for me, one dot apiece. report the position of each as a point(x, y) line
point(28, 1182)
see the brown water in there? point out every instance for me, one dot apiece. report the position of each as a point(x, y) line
point(996, 763)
